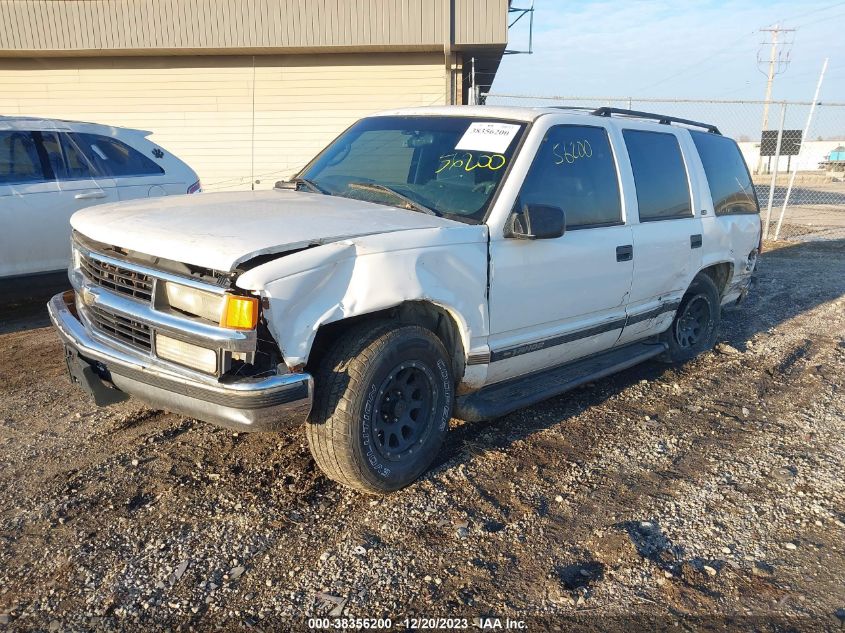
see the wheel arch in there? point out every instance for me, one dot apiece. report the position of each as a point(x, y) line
point(720, 274)
point(443, 321)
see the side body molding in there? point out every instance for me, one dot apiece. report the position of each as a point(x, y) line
point(443, 266)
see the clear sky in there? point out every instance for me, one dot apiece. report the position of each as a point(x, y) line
point(657, 48)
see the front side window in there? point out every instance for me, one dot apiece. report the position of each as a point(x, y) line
point(727, 174)
point(114, 158)
point(574, 170)
point(660, 176)
point(449, 166)
point(19, 162)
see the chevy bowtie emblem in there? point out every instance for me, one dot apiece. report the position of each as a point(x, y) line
point(88, 297)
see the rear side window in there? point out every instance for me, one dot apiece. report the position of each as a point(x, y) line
point(574, 170)
point(727, 174)
point(659, 175)
point(19, 162)
point(114, 158)
point(65, 161)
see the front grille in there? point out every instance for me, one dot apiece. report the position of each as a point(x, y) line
point(121, 328)
point(117, 278)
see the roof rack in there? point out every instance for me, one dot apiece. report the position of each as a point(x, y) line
point(660, 118)
point(589, 109)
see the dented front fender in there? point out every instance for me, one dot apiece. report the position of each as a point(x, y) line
point(325, 284)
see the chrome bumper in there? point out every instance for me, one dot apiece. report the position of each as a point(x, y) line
point(262, 404)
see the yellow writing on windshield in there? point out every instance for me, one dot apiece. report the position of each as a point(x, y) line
point(469, 161)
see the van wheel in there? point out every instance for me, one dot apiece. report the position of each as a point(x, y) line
point(382, 405)
point(696, 322)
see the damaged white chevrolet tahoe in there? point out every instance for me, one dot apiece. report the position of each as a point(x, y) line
point(429, 263)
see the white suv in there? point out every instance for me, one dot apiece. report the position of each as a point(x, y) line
point(50, 169)
point(429, 262)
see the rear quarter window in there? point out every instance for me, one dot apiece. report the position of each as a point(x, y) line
point(114, 158)
point(727, 174)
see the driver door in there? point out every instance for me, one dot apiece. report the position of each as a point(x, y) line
point(556, 300)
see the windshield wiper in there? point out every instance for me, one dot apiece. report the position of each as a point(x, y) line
point(294, 183)
point(410, 204)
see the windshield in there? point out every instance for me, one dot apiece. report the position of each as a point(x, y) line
point(450, 166)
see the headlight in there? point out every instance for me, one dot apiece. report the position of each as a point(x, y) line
point(206, 305)
point(193, 356)
point(230, 311)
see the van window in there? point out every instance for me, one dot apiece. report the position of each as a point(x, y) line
point(727, 174)
point(574, 169)
point(114, 158)
point(660, 176)
point(19, 162)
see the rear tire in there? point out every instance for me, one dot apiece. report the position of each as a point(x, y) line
point(382, 405)
point(696, 322)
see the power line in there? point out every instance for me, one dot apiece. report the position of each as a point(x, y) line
point(698, 63)
point(742, 37)
point(806, 13)
point(824, 19)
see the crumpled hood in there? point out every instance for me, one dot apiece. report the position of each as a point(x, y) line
point(221, 230)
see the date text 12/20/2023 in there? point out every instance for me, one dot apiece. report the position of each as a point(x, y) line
point(417, 624)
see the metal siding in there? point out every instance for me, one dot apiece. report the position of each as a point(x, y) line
point(200, 107)
point(139, 25)
point(481, 22)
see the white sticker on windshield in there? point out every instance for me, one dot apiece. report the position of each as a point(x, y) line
point(488, 137)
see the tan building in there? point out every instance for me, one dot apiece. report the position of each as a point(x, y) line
point(242, 90)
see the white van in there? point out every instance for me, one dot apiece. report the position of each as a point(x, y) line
point(51, 169)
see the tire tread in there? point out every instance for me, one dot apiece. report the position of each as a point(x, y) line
point(339, 374)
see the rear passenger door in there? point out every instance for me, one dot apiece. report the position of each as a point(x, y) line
point(555, 300)
point(667, 233)
point(77, 185)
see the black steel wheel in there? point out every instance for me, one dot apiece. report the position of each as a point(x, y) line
point(404, 410)
point(696, 322)
point(382, 405)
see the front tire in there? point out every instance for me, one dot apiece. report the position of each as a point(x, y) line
point(384, 395)
point(696, 322)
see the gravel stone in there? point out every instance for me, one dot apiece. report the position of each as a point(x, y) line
point(648, 505)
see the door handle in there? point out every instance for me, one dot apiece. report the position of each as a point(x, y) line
point(695, 241)
point(625, 253)
point(90, 195)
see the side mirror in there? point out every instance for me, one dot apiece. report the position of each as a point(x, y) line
point(286, 184)
point(536, 222)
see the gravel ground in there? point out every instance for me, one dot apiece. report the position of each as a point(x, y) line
point(662, 495)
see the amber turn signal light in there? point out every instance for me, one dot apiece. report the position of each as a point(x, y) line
point(240, 313)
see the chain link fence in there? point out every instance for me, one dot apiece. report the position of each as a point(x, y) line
point(798, 171)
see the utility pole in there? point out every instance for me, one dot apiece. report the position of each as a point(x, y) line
point(778, 63)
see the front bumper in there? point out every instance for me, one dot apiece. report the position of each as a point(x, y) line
point(260, 404)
